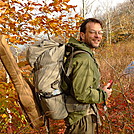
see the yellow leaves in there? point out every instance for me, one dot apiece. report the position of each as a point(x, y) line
point(2, 4)
point(128, 101)
point(66, 0)
point(22, 22)
point(4, 116)
point(1, 20)
point(29, 8)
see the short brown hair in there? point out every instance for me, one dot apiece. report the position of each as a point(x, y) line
point(83, 25)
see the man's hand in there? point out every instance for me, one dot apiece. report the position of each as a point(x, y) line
point(107, 90)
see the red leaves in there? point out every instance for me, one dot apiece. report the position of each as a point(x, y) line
point(120, 112)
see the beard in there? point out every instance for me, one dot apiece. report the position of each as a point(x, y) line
point(94, 45)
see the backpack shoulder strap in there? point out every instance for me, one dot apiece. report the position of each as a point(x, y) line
point(69, 69)
point(71, 60)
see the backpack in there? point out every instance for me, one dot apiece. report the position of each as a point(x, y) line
point(46, 57)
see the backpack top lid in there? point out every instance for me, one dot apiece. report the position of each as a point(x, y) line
point(38, 48)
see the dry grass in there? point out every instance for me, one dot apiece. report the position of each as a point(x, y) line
point(113, 59)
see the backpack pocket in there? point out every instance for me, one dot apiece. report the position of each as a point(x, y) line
point(54, 106)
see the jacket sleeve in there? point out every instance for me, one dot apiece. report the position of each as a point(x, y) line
point(85, 81)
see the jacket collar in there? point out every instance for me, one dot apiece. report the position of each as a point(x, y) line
point(80, 45)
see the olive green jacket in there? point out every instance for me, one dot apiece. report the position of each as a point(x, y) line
point(84, 79)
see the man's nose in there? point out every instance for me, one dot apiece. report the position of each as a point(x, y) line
point(97, 34)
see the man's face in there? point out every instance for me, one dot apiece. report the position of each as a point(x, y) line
point(93, 34)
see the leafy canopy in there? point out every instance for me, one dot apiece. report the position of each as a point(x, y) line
point(22, 21)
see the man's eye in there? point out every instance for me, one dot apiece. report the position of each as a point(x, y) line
point(92, 32)
point(100, 32)
point(96, 32)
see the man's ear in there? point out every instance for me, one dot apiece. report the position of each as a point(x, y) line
point(82, 35)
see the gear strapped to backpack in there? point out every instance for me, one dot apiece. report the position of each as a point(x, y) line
point(26, 96)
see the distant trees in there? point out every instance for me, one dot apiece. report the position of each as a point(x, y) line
point(121, 24)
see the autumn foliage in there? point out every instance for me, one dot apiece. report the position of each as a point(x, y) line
point(22, 22)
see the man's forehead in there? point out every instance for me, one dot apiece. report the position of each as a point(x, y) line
point(93, 26)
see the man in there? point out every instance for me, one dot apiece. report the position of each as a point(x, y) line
point(84, 80)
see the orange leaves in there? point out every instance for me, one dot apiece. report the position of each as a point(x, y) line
point(12, 39)
point(26, 15)
point(13, 24)
point(56, 2)
point(16, 40)
point(44, 8)
point(16, 1)
point(1, 20)
point(60, 5)
point(66, 0)
point(2, 3)
point(67, 7)
point(33, 18)
point(29, 8)
point(10, 112)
